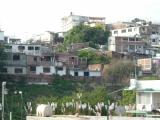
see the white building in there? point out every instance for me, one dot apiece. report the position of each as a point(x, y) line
point(147, 94)
point(28, 49)
point(1, 36)
point(73, 20)
point(84, 73)
point(45, 37)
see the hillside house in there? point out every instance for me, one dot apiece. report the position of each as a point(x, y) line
point(147, 94)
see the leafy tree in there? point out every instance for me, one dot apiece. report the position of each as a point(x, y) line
point(93, 58)
point(83, 33)
point(128, 97)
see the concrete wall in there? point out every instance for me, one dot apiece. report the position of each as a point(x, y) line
point(11, 70)
point(1, 36)
point(39, 70)
point(135, 31)
point(81, 73)
point(87, 118)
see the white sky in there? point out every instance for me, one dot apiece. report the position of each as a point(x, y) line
point(23, 17)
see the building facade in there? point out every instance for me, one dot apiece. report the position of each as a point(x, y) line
point(147, 94)
point(73, 20)
point(126, 44)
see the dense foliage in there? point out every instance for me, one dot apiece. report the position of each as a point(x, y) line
point(61, 91)
point(93, 58)
point(83, 33)
point(128, 97)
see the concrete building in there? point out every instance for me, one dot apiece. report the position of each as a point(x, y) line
point(28, 49)
point(73, 20)
point(46, 37)
point(147, 94)
point(94, 70)
point(1, 36)
point(126, 44)
point(15, 64)
point(12, 40)
point(145, 65)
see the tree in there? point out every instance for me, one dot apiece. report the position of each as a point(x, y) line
point(2, 57)
point(93, 58)
point(119, 72)
point(83, 33)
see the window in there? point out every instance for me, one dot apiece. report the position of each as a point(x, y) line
point(37, 48)
point(131, 39)
point(143, 29)
point(115, 32)
point(46, 69)
point(33, 68)
point(153, 32)
point(59, 68)
point(125, 39)
point(35, 59)
point(123, 31)
point(153, 40)
point(4, 70)
point(16, 57)
point(47, 58)
point(135, 29)
point(130, 30)
point(75, 73)
point(86, 73)
point(21, 47)
point(18, 70)
point(30, 48)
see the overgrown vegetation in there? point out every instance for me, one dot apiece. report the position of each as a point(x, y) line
point(93, 58)
point(83, 33)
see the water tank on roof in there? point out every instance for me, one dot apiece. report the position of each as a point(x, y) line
point(44, 110)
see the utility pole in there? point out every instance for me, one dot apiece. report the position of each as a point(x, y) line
point(3, 93)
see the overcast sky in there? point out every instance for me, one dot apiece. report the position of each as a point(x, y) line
point(23, 17)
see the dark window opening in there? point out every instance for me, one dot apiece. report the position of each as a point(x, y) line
point(35, 59)
point(153, 40)
point(37, 48)
point(46, 69)
point(30, 48)
point(47, 58)
point(16, 57)
point(4, 70)
point(86, 73)
point(115, 32)
point(33, 68)
point(75, 73)
point(18, 70)
point(21, 47)
point(59, 68)
point(129, 30)
point(123, 31)
point(131, 39)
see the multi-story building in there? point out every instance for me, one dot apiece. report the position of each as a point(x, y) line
point(73, 20)
point(28, 49)
point(148, 32)
point(126, 44)
point(46, 37)
point(15, 64)
point(12, 40)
